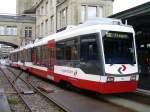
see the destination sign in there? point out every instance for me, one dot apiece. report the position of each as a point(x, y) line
point(116, 35)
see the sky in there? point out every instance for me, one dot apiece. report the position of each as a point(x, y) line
point(9, 6)
point(120, 5)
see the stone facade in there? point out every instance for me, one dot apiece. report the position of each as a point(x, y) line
point(53, 15)
point(16, 30)
point(23, 5)
point(46, 18)
point(78, 11)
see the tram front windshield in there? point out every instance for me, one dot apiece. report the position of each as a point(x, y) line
point(118, 47)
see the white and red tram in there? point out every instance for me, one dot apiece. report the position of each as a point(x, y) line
point(98, 55)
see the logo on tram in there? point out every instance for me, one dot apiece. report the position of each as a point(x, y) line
point(122, 68)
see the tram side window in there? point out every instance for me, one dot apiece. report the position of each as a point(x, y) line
point(88, 47)
point(21, 56)
point(34, 55)
point(47, 55)
point(44, 56)
point(11, 57)
point(71, 50)
point(41, 55)
point(28, 55)
point(24, 55)
point(38, 53)
point(67, 50)
point(17, 56)
point(60, 47)
point(14, 57)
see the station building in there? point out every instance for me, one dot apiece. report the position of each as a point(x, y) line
point(55, 15)
point(15, 31)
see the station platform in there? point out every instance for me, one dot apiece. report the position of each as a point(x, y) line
point(4, 106)
point(144, 82)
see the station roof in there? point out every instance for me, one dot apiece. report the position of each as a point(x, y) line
point(136, 16)
point(143, 9)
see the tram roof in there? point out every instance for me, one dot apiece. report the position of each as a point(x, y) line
point(87, 25)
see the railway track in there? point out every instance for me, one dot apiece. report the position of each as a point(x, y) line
point(77, 101)
point(119, 100)
point(46, 98)
point(17, 91)
point(143, 92)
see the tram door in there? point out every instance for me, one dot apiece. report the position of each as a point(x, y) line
point(51, 47)
point(89, 54)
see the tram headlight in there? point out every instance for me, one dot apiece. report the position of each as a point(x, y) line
point(133, 77)
point(110, 79)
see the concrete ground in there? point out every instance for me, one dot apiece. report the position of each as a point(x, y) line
point(4, 106)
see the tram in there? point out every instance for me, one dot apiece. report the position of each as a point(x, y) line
point(99, 55)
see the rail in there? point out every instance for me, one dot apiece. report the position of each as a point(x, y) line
point(13, 86)
point(42, 93)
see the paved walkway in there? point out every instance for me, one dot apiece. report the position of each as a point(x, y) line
point(4, 106)
point(144, 81)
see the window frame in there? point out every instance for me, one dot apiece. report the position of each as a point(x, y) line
point(97, 42)
point(28, 32)
point(64, 47)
